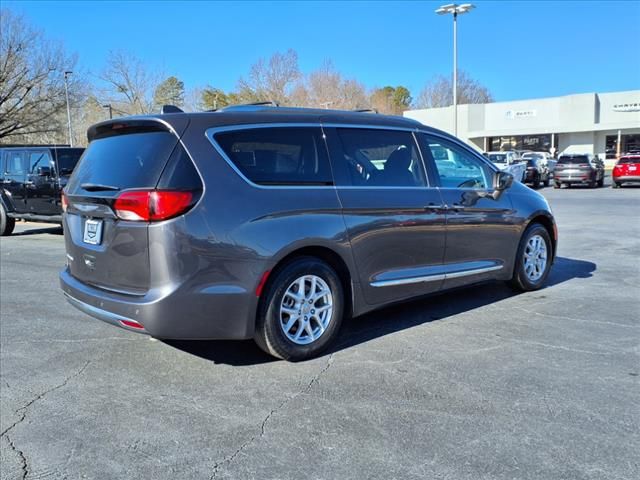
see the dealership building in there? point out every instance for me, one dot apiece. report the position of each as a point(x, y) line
point(605, 124)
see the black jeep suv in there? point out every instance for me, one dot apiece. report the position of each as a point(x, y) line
point(31, 182)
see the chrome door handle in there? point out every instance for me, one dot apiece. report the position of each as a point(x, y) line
point(433, 206)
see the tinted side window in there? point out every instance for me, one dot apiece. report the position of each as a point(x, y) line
point(385, 158)
point(14, 163)
point(278, 156)
point(457, 167)
point(67, 159)
point(39, 159)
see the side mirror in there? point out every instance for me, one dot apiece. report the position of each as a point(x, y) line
point(502, 181)
point(44, 171)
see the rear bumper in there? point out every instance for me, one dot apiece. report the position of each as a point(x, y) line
point(214, 312)
point(626, 178)
point(574, 177)
point(105, 316)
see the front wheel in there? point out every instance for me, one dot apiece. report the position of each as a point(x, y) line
point(7, 224)
point(533, 260)
point(301, 313)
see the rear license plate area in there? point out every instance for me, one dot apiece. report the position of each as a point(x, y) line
point(92, 232)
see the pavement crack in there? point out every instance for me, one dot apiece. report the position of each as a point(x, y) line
point(22, 411)
point(23, 460)
point(263, 425)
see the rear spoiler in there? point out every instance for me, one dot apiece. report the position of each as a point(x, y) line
point(176, 124)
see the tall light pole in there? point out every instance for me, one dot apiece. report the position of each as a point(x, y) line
point(455, 10)
point(66, 92)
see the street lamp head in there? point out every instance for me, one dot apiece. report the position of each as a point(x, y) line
point(455, 9)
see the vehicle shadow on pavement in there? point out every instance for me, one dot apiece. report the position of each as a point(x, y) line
point(37, 231)
point(391, 319)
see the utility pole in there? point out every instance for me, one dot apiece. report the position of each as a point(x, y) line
point(108, 105)
point(66, 92)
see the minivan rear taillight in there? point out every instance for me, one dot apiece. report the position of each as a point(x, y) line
point(152, 205)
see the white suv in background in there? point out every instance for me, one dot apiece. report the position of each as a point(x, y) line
point(508, 161)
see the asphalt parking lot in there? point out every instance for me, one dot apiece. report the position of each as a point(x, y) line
point(476, 384)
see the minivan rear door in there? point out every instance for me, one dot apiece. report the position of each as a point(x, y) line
point(103, 250)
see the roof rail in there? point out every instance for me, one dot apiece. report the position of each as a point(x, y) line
point(268, 102)
point(366, 110)
point(170, 109)
point(247, 106)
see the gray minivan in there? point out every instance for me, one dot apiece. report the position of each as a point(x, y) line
point(278, 223)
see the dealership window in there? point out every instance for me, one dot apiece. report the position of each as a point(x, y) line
point(629, 143)
point(535, 143)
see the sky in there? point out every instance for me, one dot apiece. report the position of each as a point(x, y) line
point(518, 49)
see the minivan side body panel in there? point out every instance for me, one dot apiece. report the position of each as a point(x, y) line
point(205, 265)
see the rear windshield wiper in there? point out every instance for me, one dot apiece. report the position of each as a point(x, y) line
point(97, 187)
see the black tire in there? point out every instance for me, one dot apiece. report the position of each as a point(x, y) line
point(547, 181)
point(601, 182)
point(520, 281)
point(592, 184)
point(557, 185)
point(536, 182)
point(616, 185)
point(270, 335)
point(7, 224)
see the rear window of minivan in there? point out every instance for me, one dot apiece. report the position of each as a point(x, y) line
point(278, 155)
point(131, 160)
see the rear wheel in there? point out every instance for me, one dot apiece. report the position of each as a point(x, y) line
point(547, 181)
point(601, 182)
point(557, 185)
point(533, 259)
point(616, 185)
point(302, 310)
point(7, 224)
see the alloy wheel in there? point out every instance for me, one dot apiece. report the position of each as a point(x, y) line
point(306, 309)
point(535, 258)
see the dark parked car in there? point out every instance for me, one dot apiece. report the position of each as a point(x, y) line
point(277, 223)
point(627, 170)
point(536, 173)
point(578, 169)
point(32, 179)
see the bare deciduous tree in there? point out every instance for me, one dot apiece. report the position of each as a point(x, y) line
point(439, 92)
point(271, 80)
point(129, 83)
point(327, 88)
point(32, 91)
